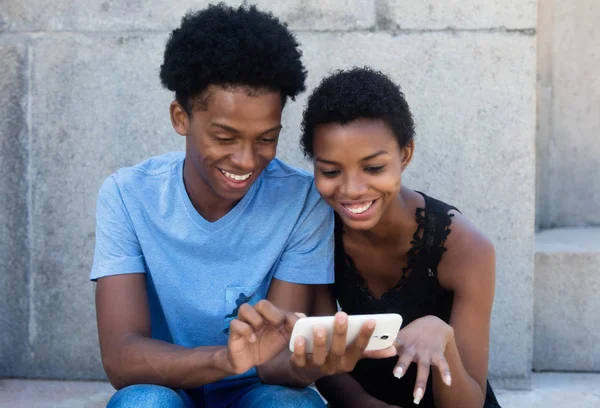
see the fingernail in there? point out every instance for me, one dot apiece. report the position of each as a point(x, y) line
point(418, 396)
point(321, 332)
point(371, 324)
point(300, 341)
point(398, 372)
point(341, 318)
point(448, 379)
point(252, 338)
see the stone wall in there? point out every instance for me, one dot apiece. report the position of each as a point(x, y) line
point(568, 143)
point(81, 98)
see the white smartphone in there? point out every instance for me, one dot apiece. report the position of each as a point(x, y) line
point(386, 328)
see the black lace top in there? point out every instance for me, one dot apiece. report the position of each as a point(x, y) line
point(417, 294)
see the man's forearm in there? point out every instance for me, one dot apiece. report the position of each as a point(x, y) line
point(142, 360)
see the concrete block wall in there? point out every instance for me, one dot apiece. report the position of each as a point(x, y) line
point(568, 143)
point(14, 255)
point(85, 89)
point(567, 260)
point(567, 283)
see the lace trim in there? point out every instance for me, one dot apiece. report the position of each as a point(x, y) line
point(436, 246)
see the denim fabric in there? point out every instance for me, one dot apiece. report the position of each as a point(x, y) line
point(240, 393)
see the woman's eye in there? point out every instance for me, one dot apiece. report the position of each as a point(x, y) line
point(329, 173)
point(374, 169)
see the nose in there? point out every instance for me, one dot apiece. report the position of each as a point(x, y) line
point(244, 158)
point(353, 187)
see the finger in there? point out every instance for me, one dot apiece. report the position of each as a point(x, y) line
point(405, 358)
point(290, 320)
point(421, 382)
point(251, 316)
point(338, 341)
point(239, 329)
point(378, 354)
point(299, 354)
point(357, 347)
point(440, 362)
point(319, 352)
point(270, 312)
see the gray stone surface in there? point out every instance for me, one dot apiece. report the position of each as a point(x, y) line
point(98, 106)
point(549, 390)
point(465, 14)
point(55, 394)
point(569, 114)
point(128, 15)
point(567, 283)
point(473, 98)
point(555, 390)
point(14, 295)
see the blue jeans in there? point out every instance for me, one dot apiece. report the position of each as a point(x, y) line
point(239, 393)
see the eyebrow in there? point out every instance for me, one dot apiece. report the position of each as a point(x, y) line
point(369, 157)
point(237, 132)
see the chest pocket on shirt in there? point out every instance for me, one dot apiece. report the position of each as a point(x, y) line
point(235, 296)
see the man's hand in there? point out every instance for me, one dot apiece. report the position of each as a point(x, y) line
point(258, 335)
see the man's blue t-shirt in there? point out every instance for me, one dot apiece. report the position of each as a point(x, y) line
point(198, 273)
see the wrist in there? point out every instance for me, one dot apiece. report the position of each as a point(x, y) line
point(305, 375)
point(221, 362)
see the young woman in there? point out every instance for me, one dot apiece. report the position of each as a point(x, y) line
point(398, 251)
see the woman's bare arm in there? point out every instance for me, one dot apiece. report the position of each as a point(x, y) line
point(468, 269)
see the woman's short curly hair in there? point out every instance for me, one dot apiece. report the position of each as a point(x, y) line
point(356, 93)
point(232, 47)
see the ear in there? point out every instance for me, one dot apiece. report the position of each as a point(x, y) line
point(179, 118)
point(407, 154)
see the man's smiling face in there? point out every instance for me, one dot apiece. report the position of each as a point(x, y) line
point(231, 140)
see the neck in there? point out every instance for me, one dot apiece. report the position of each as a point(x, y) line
point(203, 198)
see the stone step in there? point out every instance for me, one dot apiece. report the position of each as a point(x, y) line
point(550, 390)
point(567, 300)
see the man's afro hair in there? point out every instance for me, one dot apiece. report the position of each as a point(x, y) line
point(228, 46)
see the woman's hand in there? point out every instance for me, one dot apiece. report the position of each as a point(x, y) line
point(339, 358)
point(258, 335)
point(424, 342)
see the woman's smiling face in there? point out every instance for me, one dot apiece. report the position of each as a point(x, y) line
point(358, 169)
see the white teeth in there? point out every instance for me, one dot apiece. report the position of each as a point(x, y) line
point(360, 210)
point(236, 177)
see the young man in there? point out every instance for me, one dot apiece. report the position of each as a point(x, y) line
point(185, 243)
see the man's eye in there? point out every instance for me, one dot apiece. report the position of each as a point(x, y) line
point(224, 139)
point(268, 140)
